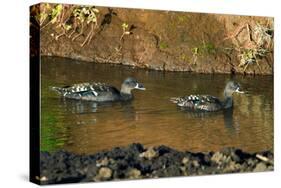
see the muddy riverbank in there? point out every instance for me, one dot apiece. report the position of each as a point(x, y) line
point(159, 40)
point(139, 162)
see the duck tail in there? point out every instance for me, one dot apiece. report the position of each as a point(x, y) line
point(174, 100)
point(59, 90)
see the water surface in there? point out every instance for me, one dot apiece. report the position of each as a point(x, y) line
point(151, 119)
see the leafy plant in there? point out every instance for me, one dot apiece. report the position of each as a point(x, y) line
point(84, 16)
point(126, 31)
point(251, 56)
point(53, 14)
point(42, 13)
point(56, 11)
point(195, 51)
point(208, 48)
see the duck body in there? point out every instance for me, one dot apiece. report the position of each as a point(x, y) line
point(199, 103)
point(208, 103)
point(99, 92)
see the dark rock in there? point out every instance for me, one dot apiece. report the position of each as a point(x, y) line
point(163, 149)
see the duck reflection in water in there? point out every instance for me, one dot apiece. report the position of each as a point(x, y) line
point(93, 109)
point(231, 125)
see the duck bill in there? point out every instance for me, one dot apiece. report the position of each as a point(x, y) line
point(239, 91)
point(139, 86)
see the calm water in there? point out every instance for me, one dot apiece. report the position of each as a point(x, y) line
point(151, 119)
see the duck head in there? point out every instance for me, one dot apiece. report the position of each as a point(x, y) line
point(129, 84)
point(232, 87)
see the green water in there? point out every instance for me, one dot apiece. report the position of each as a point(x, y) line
point(151, 119)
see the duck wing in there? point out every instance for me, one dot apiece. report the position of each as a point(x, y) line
point(199, 102)
point(85, 90)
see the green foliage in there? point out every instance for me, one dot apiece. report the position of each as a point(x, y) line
point(56, 11)
point(247, 57)
point(125, 26)
point(182, 18)
point(195, 51)
point(41, 13)
point(251, 56)
point(163, 45)
point(258, 45)
point(126, 31)
point(204, 49)
point(67, 27)
point(84, 17)
point(208, 48)
point(184, 57)
point(86, 14)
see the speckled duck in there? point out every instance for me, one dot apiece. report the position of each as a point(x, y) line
point(209, 103)
point(100, 92)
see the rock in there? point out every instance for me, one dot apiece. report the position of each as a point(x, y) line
point(173, 171)
point(134, 173)
point(232, 167)
point(102, 162)
point(260, 167)
point(136, 147)
point(195, 163)
point(163, 150)
point(135, 162)
point(104, 174)
point(149, 153)
point(43, 178)
point(217, 158)
point(185, 160)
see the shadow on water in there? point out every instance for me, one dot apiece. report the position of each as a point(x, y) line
point(151, 119)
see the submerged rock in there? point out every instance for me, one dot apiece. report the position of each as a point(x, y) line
point(135, 162)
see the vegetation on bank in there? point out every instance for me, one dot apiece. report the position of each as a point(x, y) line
point(258, 45)
point(73, 21)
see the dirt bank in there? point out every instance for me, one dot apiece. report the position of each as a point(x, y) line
point(164, 40)
point(138, 162)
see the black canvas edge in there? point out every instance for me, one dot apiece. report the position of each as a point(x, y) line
point(34, 102)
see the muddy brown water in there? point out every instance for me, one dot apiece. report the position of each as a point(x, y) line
point(151, 119)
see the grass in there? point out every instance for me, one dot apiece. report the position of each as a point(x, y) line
point(163, 45)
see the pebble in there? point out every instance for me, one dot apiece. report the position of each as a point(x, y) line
point(134, 173)
point(102, 162)
point(260, 167)
point(185, 160)
point(149, 153)
point(104, 174)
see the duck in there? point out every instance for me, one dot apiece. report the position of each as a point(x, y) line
point(208, 103)
point(100, 92)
